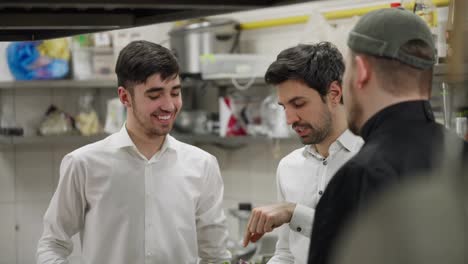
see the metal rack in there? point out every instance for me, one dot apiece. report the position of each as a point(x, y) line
point(77, 140)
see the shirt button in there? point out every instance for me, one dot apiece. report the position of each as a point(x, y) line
point(299, 229)
point(325, 163)
point(320, 192)
point(149, 254)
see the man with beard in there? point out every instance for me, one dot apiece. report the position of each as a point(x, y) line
point(308, 83)
point(387, 86)
point(139, 196)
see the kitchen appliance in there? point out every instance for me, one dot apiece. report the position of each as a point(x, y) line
point(198, 38)
point(240, 254)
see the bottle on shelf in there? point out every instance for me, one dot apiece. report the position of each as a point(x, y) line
point(428, 12)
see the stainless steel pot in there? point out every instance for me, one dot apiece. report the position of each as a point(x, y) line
point(207, 36)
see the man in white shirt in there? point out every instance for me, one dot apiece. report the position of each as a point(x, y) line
point(139, 196)
point(308, 81)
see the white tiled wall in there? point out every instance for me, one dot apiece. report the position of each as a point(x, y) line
point(7, 233)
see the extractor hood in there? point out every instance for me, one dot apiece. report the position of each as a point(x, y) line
point(34, 19)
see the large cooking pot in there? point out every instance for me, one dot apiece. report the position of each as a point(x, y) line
point(206, 36)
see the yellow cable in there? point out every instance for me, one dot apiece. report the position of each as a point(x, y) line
point(330, 15)
point(275, 22)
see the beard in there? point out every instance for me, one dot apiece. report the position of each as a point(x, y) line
point(317, 132)
point(354, 110)
point(145, 122)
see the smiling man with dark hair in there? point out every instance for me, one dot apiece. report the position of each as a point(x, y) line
point(140, 195)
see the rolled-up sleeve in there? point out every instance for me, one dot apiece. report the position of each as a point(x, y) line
point(212, 232)
point(64, 216)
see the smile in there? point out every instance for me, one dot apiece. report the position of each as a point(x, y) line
point(164, 117)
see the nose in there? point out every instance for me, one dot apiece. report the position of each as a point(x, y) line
point(168, 104)
point(291, 116)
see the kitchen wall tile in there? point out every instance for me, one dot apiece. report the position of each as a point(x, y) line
point(34, 175)
point(30, 107)
point(7, 176)
point(263, 174)
point(236, 173)
point(218, 152)
point(7, 234)
point(30, 216)
point(270, 41)
point(232, 222)
point(67, 99)
point(100, 102)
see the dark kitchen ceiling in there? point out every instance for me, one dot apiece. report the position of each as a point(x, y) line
point(33, 19)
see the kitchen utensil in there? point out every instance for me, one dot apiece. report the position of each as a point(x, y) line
point(194, 39)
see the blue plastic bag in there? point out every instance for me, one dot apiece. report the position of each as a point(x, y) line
point(38, 60)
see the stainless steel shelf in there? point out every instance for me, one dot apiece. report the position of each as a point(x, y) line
point(242, 81)
point(76, 140)
point(49, 140)
point(442, 73)
point(228, 142)
point(61, 84)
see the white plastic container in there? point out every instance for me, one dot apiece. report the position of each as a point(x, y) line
point(237, 66)
point(5, 74)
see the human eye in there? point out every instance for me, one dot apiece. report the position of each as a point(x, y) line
point(154, 96)
point(298, 103)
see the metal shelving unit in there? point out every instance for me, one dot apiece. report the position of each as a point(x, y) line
point(440, 71)
point(77, 140)
point(49, 140)
point(65, 84)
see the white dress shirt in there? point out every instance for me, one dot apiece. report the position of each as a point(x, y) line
point(131, 210)
point(301, 179)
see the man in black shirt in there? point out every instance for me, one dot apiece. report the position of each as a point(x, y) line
point(387, 86)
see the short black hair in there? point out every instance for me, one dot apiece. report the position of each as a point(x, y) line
point(141, 59)
point(317, 65)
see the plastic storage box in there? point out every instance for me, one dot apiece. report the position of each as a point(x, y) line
point(234, 66)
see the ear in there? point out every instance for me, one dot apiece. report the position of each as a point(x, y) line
point(363, 71)
point(125, 97)
point(335, 93)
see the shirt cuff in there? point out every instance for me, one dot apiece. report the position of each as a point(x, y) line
point(302, 219)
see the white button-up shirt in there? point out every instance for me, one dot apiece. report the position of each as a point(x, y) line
point(301, 178)
point(129, 209)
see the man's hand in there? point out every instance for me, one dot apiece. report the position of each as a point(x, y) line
point(266, 218)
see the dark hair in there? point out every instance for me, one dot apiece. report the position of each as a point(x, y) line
point(317, 65)
point(141, 59)
point(393, 74)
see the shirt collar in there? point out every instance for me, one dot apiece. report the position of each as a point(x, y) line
point(392, 115)
point(123, 140)
point(349, 141)
point(346, 140)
